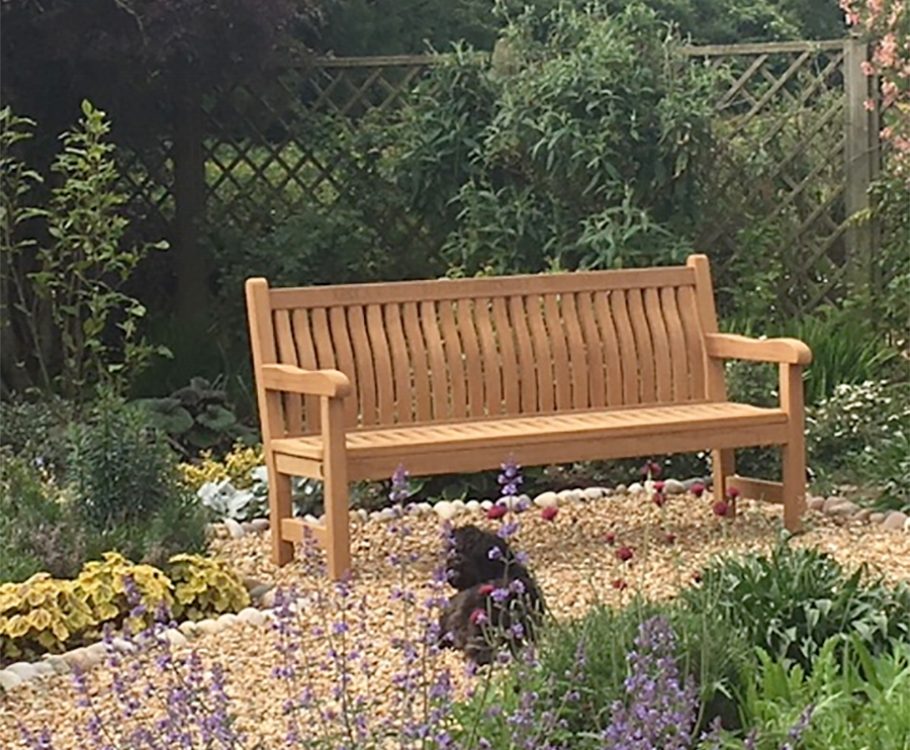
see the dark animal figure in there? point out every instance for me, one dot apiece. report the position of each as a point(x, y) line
point(498, 603)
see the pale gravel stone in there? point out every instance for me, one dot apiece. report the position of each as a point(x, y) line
point(845, 508)
point(207, 627)
point(688, 484)
point(57, 663)
point(228, 620)
point(23, 670)
point(43, 669)
point(816, 503)
point(188, 628)
point(175, 637)
point(96, 653)
point(9, 680)
point(458, 505)
point(674, 487)
point(863, 514)
point(363, 514)
point(78, 658)
point(247, 527)
point(833, 502)
point(472, 506)
point(486, 504)
point(260, 524)
point(423, 509)
point(234, 529)
point(251, 615)
point(635, 488)
point(907, 526)
point(268, 598)
point(386, 514)
point(876, 517)
point(546, 500)
point(445, 510)
point(123, 645)
point(593, 493)
point(621, 489)
point(895, 520)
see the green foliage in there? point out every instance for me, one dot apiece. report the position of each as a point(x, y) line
point(204, 586)
point(37, 431)
point(791, 602)
point(127, 486)
point(854, 700)
point(583, 151)
point(74, 326)
point(197, 417)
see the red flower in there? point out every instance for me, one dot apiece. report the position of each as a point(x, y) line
point(670, 537)
point(486, 589)
point(478, 617)
point(659, 485)
point(697, 489)
point(497, 511)
point(733, 493)
point(722, 508)
point(619, 584)
point(659, 499)
point(610, 538)
point(549, 513)
point(651, 468)
point(696, 577)
point(624, 554)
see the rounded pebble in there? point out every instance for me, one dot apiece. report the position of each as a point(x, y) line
point(621, 489)
point(634, 488)
point(674, 487)
point(207, 627)
point(234, 529)
point(815, 503)
point(57, 663)
point(895, 520)
point(546, 500)
point(123, 645)
point(472, 506)
point(445, 510)
point(43, 669)
point(259, 524)
point(486, 504)
point(251, 615)
point(23, 670)
point(593, 493)
point(175, 637)
point(188, 628)
point(9, 680)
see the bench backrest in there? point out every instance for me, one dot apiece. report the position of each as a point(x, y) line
point(429, 351)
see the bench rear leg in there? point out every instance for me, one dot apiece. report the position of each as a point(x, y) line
point(335, 476)
point(280, 507)
point(794, 489)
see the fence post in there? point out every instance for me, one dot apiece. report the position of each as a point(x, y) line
point(190, 264)
point(861, 154)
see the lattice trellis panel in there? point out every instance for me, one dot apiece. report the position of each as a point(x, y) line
point(780, 170)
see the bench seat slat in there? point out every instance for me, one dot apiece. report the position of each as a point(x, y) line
point(515, 432)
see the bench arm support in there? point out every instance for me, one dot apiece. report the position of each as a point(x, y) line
point(290, 379)
point(781, 351)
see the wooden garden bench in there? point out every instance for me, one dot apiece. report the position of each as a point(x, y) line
point(455, 375)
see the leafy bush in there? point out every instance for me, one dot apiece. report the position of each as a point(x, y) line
point(197, 417)
point(204, 586)
point(48, 615)
point(791, 602)
point(37, 529)
point(237, 467)
point(851, 703)
point(127, 486)
point(37, 431)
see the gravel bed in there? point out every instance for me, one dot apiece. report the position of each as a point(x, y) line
point(574, 565)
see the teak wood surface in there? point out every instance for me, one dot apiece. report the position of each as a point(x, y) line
point(457, 375)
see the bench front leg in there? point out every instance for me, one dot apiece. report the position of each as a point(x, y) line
point(335, 488)
point(794, 450)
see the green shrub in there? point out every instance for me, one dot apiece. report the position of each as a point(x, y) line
point(37, 431)
point(127, 486)
point(37, 529)
point(791, 602)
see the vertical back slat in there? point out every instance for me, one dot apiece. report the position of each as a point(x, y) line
point(627, 353)
point(688, 310)
point(578, 356)
point(401, 366)
point(643, 346)
point(292, 403)
point(473, 361)
point(610, 339)
point(382, 364)
point(543, 355)
point(344, 354)
point(423, 408)
point(451, 342)
point(363, 360)
point(508, 356)
point(560, 352)
point(526, 373)
point(661, 341)
point(597, 384)
point(492, 369)
point(439, 377)
point(678, 354)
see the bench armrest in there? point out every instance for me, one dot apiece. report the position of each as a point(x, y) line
point(290, 379)
point(783, 351)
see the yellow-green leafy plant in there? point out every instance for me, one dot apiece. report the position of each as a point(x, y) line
point(235, 467)
point(204, 586)
point(40, 615)
point(103, 585)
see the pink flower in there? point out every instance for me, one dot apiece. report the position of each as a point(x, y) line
point(670, 538)
point(478, 617)
point(867, 67)
point(549, 513)
point(497, 511)
point(619, 584)
point(696, 577)
point(659, 499)
point(869, 104)
point(697, 489)
point(659, 485)
point(722, 508)
point(486, 589)
point(610, 538)
point(624, 554)
point(733, 493)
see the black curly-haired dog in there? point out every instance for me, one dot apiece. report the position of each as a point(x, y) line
point(498, 602)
